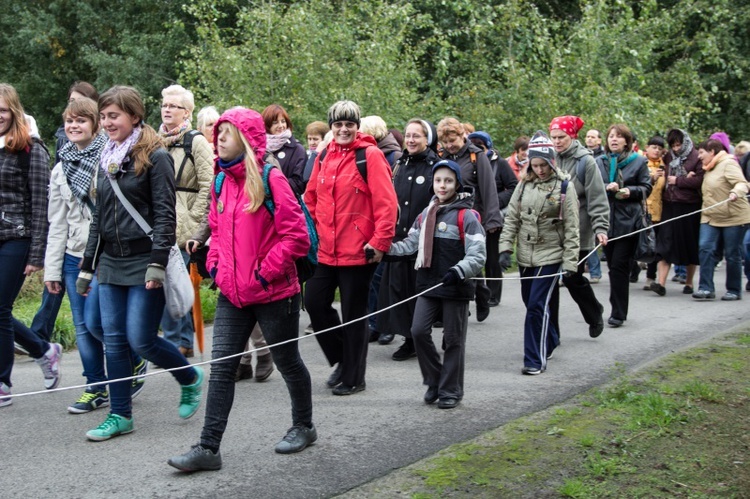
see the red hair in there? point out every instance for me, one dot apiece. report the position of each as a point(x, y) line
point(17, 138)
point(272, 113)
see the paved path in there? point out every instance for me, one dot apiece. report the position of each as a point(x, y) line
point(43, 450)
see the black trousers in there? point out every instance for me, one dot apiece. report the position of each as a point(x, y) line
point(581, 292)
point(492, 267)
point(346, 345)
point(619, 255)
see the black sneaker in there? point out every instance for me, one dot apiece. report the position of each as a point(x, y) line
point(405, 352)
point(89, 401)
point(335, 378)
point(297, 438)
point(385, 338)
point(137, 384)
point(197, 459)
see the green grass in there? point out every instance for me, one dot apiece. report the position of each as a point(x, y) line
point(30, 298)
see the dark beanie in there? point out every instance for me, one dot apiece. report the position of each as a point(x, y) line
point(447, 163)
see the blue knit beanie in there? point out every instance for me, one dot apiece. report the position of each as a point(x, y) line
point(447, 163)
point(483, 136)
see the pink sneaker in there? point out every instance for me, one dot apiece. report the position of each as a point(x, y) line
point(50, 365)
point(4, 398)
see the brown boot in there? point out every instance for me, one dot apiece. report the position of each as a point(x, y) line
point(244, 371)
point(264, 368)
point(187, 352)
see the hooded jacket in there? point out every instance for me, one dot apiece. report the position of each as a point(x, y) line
point(593, 209)
point(348, 211)
point(533, 222)
point(448, 252)
point(720, 180)
point(391, 149)
point(246, 246)
point(480, 177)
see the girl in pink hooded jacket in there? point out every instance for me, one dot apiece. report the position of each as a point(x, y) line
point(251, 258)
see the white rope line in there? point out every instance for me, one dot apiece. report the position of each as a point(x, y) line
point(212, 361)
point(609, 241)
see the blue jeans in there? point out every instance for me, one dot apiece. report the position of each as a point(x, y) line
point(680, 270)
point(43, 324)
point(130, 319)
point(179, 332)
point(13, 255)
point(595, 265)
point(279, 321)
point(732, 238)
point(90, 348)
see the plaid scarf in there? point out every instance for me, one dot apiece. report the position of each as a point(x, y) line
point(79, 167)
point(170, 137)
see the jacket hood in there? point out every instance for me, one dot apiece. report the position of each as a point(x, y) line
point(389, 144)
point(251, 126)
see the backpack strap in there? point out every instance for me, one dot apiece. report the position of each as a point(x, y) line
point(268, 201)
point(187, 146)
point(461, 224)
point(563, 191)
point(473, 157)
point(219, 183)
point(361, 159)
point(581, 170)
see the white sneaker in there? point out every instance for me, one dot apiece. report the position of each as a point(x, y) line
point(50, 365)
point(4, 398)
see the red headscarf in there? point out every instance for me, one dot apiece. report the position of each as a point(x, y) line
point(568, 124)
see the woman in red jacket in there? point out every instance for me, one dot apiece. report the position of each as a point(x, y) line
point(355, 214)
point(251, 258)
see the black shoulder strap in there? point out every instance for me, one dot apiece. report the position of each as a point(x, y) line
point(581, 170)
point(187, 145)
point(361, 159)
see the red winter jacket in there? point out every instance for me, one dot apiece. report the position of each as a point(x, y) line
point(348, 211)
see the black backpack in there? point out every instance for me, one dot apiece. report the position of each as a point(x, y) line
point(361, 158)
point(187, 145)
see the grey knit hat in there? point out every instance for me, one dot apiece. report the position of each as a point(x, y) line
point(541, 147)
point(344, 110)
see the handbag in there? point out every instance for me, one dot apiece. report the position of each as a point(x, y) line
point(645, 250)
point(178, 289)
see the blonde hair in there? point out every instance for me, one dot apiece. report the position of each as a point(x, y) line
point(741, 148)
point(205, 115)
point(184, 95)
point(375, 126)
point(254, 189)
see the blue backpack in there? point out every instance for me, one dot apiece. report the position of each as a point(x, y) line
point(306, 264)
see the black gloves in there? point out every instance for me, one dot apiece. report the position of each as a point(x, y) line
point(504, 260)
point(451, 278)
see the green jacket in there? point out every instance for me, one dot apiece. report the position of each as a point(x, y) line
point(593, 212)
point(533, 223)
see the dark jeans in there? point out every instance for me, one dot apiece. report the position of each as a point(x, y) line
point(619, 255)
point(372, 298)
point(447, 376)
point(130, 320)
point(541, 297)
point(13, 255)
point(279, 322)
point(492, 267)
point(581, 292)
point(43, 324)
point(731, 239)
point(345, 345)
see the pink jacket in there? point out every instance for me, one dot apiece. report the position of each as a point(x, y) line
point(348, 211)
point(243, 242)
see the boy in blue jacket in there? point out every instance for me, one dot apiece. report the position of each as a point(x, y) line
point(450, 244)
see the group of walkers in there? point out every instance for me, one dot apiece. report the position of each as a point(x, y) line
point(390, 216)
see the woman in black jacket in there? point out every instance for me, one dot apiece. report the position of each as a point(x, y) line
point(412, 180)
point(285, 148)
point(131, 265)
point(628, 184)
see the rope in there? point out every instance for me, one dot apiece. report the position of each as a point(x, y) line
point(212, 361)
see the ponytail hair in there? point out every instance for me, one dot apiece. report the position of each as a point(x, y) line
point(18, 137)
point(129, 100)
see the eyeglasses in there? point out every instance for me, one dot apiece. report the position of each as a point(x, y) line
point(172, 106)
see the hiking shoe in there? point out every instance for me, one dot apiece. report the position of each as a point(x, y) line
point(703, 295)
point(482, 312)
point(190, 399)
point(89, 401)
point(335, 378)
point(297, 438)
point(50, 364)
point(4, 395)
point(729, 296)
point(198, 458)
point(615, 322)
point(137, 384)
point(264, 368)
point(244, 371)
point(531, 371)
point(405, 351)
point(113, 426)
point(343, 389)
